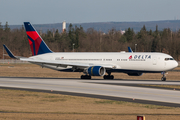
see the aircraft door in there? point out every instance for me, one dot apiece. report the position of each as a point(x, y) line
point(154, 60)
point(164, 64)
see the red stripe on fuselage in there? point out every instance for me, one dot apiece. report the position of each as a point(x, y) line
point(37, 40)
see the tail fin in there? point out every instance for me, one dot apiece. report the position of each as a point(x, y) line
point(37, 44)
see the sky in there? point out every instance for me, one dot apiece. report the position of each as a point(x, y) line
point(15, 12)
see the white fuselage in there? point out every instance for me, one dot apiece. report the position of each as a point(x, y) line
point(136, 61)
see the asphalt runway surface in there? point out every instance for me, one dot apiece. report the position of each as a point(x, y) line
point(120, 90)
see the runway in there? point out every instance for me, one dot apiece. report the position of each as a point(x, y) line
point(123, 90)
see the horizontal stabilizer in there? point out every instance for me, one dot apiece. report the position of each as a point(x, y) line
point(9, 52)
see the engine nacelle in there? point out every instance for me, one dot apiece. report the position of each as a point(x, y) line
point(96, 71)
point(134, 74)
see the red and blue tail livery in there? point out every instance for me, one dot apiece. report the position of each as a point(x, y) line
point(38, 46)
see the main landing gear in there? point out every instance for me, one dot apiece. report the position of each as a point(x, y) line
point(164, 76)
point(109, 76)
point(85, 77)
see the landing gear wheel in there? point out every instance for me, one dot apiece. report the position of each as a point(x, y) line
point(108, 77)
point(163, 78)
point(85, 77)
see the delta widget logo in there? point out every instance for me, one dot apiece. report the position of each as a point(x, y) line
point(139, 57)
point(130, 57)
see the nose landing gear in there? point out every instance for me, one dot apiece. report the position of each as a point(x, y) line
point(164, 76)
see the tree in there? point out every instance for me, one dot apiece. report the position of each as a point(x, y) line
point(156, 31)
point(71, 35)
point(150, 32)
point(64, 42)
point(57, 36)
point(74, 34)
point(142, 37)
point(79, 33)
point(6, 27)
point(49, 36)
point(123, 39)
point(129, 34)
point(143, 28)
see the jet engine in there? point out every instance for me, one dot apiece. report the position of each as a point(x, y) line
point(96, 71)
point(135, 74)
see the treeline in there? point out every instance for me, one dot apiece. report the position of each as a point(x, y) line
point(165, 41)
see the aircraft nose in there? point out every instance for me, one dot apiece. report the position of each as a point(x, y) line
point(175, 64)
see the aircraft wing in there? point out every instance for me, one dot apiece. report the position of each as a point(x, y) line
point(64, 63)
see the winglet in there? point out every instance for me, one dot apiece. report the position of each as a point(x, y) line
point(129, 49)
point(9, 52)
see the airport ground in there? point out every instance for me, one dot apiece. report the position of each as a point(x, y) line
point(18, 104)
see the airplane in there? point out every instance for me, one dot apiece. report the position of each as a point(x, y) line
point(95, 63)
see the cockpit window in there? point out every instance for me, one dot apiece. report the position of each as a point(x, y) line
point(166, 59)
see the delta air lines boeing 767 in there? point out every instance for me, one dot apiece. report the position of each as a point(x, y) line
point(95, 63)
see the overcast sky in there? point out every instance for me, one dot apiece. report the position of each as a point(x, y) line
point(15, 12)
